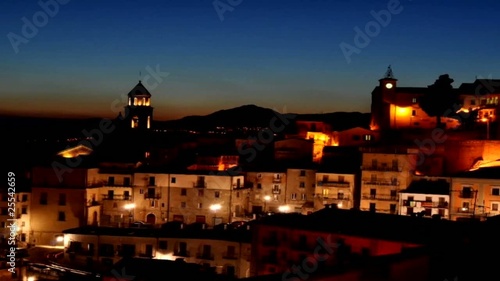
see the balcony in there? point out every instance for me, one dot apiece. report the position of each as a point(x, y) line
point(91, 203)
point(116, 197)
point(300, 246)
point(381, 182)
point(182, 253)
point(270, 241)
point(205, 256)
point(382, 168)
point(276, 180)
point(276, 191)
point(339, 198)
point(270, 260)
point(152, 196)
point(229, 256)
point(334, 183)
point(466, 195)
point(199, 184)
point(425, 204)
point(379, 197)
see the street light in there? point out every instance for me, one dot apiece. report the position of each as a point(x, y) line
point(215, 208)
point(130, 208)
point(267, 198)
point(487, 120)
point(284, 209)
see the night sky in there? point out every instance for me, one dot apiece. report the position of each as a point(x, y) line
point(276, 54)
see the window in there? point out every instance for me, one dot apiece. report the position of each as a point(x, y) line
point(393, 194)
point(217, 194)
point(392, 208)
point(302, 173)
point(200, 192)
point(428, 212)
point(141, 191)
point(152, 181)
point(24, 197)
point(340, 195)
point(111, 181)
point(126, 181)
point(341, 178)
point(303, 196)
point(373, 193)
point(494, 207)
point(259, 186)
point(183, 192)
point(428, 199)
point(44, 198)
point(162, 245)
point(409, 211)
point(183, 205)
point(293, 196)
point(413, 113)
point(373, 207)
point(62, 199)
point(411, 198)
point(302, 184)
point(61, 216)
point(325, 192)
point(237, 194)
point(368, 137)
point(24, 210)
point(495, 191)
point(200, 205)
point(441, 212)
point(173, 180)
point(414, 100)
point(276, 197)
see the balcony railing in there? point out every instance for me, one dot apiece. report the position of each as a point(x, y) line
point(379, 197)
point(181, 253)
point(382, 168)
point(465, 210)
point(270, 260)
point(152, 196)
point(116, 197)
point(93, 203)
point(336, 197)
point(384, 211)
point(466, 195)
point(381, 182)
point(276, 191)
point(205, 256)
point(425, 204)
point(270, 241)
point(199, 184)
point(276, 180)
point(334, 183)
point(230, 256)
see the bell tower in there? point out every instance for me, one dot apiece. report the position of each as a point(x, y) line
point(139, 112)
point(382, 97)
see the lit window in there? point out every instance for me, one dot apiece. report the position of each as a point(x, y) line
point(414, 100)
point(368, 137)
point(494, 207)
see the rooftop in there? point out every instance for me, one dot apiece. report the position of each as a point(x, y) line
point(423, 186)
point(239, 235)
point(481, 173)
point(375, 225)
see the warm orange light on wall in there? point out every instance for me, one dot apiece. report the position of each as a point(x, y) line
point(403, 111)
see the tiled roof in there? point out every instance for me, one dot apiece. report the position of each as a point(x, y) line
point(139, 90)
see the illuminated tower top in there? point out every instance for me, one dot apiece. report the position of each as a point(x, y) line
point(138, 110)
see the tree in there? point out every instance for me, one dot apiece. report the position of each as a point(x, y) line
point(440, 99)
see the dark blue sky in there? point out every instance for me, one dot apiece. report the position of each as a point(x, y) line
point(276, 54)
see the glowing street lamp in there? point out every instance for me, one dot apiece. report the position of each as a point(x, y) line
point(487, 120)
point(215, 208)
point(284, 209)
point(130, 208)
point(267, 198)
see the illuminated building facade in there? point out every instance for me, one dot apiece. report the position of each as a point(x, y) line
point(334, 188)
point(139, 112)
point(383, 176)
point(226, 251)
